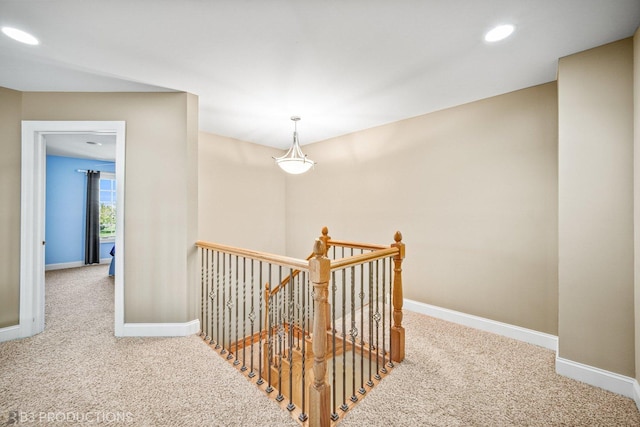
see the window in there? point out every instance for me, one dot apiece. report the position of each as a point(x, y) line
point(107, 206)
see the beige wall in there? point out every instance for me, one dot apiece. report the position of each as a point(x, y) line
point(10, 107)
point(241, 194)
point(161, 210)
point(473, 189)
point(595, 98)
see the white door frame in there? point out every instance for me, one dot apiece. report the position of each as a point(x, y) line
point(32, 217)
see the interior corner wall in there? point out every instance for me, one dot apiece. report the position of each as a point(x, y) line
point(10, 137)
point(191, 164)
point(241, 194)
point(473, 189)
point(636, 196)
point(595, 181)
point(159, 176)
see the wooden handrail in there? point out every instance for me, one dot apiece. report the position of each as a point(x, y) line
point(362, 258)
point(284, 261)
point(287, 279)
point(378, 252)
point(357, 245)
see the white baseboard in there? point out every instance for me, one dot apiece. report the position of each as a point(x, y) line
point(597, 377)
point(160, 329)
point(10, 333)
point(516, 332)
point(620, 384)
point(74, 264)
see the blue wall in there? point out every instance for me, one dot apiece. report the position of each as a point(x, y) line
point(65, 208)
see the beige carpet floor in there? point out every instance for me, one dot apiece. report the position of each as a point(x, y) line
point(77, 373)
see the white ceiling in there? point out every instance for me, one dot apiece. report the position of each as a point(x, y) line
point(342, 66)
point(82, 145)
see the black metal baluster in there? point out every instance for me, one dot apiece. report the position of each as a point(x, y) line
point(384, 316)
point(212, 298)
point(344, 406)
point(224, 302)
point(269, 336)
point(217, 305)
point(298, 307)
point(202, 264)
point(390, 310)
point(230, 307)
point(237, 303)
point(291, 308)
point(362, 389)
point(353, 332)
point(281, 332)
point(312, 307)
point(303, 416)
point(376, 317)
point(244, 315)
point(334, 408)
point(252, 318)
point(370, 382)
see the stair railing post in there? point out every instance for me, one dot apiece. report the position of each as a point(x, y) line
point(325, 240)
point(397, 331)
point(319, 390)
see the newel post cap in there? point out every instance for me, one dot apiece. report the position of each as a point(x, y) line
point(318, 248)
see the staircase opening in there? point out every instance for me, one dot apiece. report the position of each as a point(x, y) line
point(315, 334)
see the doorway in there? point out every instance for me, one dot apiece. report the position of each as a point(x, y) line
point(32, 233)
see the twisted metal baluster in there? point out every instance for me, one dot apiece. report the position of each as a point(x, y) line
point(376, 317)
point(362, 389)
point(298, 307)
point(230, 304)
point(215, 298)
point(218, 299)
point(224, 303)
point(269, 388)
point(390, 309)
point(281, 332)
point(202, 263)
point(344, 406)
point(312, 300)
point(252, 317)
point(244, 315)
point(384, 324)
point(291, 308)
point(303, 416)
point(334, 413)
point(237, 303)
point(260, 302)
point(353, 332)
point(370, 382)
point(212, 294)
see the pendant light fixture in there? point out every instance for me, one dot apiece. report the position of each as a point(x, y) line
point(294, 161)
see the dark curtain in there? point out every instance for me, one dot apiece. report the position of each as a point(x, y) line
point(92, 241)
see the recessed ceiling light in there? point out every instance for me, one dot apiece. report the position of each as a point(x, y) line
point(20, 36)
point(498, 33)
point(94, 143)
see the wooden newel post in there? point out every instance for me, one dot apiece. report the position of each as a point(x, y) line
point(397, 331)
point(325, 238)
point(319, 390)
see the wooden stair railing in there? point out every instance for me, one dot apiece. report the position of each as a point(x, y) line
point(234, 299)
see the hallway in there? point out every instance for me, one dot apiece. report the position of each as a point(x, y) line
point(76, 372)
